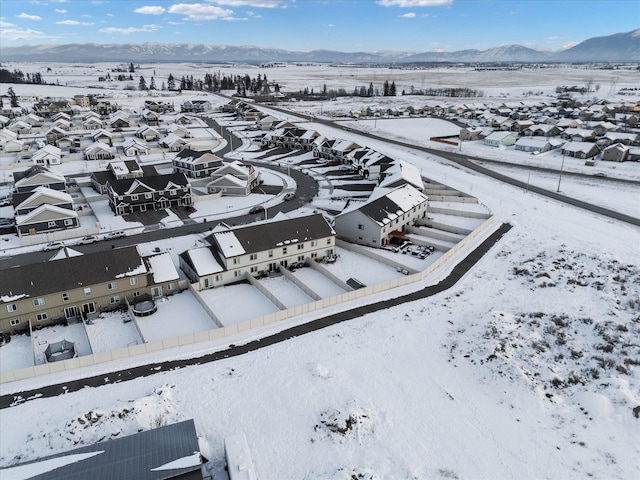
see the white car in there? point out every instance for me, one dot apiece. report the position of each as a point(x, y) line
point(88, 240)
point(114, 235)
point(53, 246)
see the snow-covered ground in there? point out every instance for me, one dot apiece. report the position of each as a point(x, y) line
point(233, 304)
point(527, 368)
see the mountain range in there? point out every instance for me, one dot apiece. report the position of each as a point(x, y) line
point(619, 47)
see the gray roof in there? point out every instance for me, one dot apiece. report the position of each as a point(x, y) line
point(133, 457)
point(43, 278)
point(266, 236)
point(154, 182)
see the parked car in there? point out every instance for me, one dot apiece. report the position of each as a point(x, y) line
point(191, 208)
point(257, 209)
point(88, 240)
point(7, 222)
point(53, 246)
point(5, 201)
point(114, 235)
point(289, 196)
point(333, 163)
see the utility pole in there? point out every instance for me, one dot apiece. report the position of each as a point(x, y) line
point(561, 168)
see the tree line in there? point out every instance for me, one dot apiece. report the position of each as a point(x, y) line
point(18, 76)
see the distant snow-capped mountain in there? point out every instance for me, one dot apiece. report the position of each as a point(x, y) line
point(620, 47)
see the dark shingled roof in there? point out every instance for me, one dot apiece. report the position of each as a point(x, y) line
point(133, 457)
point(155, 182)
point(265, 236)
point(381, 208)
point(43, 278)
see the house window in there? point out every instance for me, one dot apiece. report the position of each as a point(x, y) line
point(133, 281)
point(148, 196)
point(38, 301)
point(65, 296)
point(51, 224)
point(301, 258)
point(134, 197)
point(301, 246)
point(218, 278)
point(41, 317)
point(314, 243)
point(112, 285)
point(328, 241)
point(172, 193)
point(136, 294)
point(360, 226)
point(12, 307)
point(253, 256)
point(284, 250)
point(170, 286)
point(208, 283)
point(254, 269)
point(236, 261)
point(87, 292)
point(374, 240)
point(359, 238)
point(236, 273)
point(114, 299)
point(314, 255)
point(156, 292)
point(270, 253)
point(68, 222)
point(14, 322)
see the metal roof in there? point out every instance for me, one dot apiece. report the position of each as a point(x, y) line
point(134, 457)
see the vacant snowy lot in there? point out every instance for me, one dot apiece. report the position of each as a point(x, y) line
point(236, 303)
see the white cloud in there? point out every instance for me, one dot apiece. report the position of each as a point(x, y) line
point(4, 24)
point(74, 22)
point(26, 16)
point(414, 3)
point(20, 34)
point(248, 3)
point(408, 15)
point(198, 11)
point(127, 31)
point(150, 10)
point(60, 10)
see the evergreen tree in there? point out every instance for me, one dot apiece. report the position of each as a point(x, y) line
point(13, 98)
point(385, 88)
point(392, 89)
point(152, 84)
point(131, 68)
point(163, 87)
point(143, 84)
point(171, 82)
point(370, 91)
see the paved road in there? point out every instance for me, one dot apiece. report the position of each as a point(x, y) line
point(458, 272)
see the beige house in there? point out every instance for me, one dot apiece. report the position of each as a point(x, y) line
point(83, 285)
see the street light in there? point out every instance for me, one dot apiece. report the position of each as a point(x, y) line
point(561, 168)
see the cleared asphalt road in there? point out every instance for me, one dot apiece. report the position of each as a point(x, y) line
point(118, 376)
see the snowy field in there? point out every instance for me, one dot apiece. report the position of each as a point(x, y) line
point(527, 369)
point(353, 265)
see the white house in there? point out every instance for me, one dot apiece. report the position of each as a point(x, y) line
point(48, 155)
point(259, 247)
point(497, 139)
point(386, 212)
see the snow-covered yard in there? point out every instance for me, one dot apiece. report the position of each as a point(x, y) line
point(16, 354)
point(367, 270)
point(318, 283)
point(176, 315)
point(74, 333)
point(233, 304)
point(285, 291)
point(111, 331)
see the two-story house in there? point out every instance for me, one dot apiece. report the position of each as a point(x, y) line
point(385, 212)
point(252, 249)
point(148, 193)
point(196, 164)
point(73, 287)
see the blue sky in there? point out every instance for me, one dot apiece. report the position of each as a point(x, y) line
point(345, 25)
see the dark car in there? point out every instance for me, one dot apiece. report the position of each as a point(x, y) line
point(191, 208)
point(257, 209)
point(289, 196)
